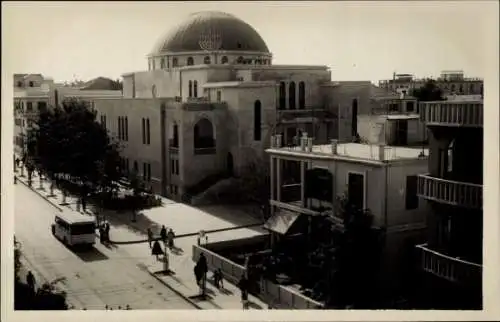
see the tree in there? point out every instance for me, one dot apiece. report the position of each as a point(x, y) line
point(68, 140)
point(429, 92)
point(355, 261)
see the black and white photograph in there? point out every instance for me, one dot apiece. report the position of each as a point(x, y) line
point(249, 156)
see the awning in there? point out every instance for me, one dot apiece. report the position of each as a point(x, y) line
point(281, 221)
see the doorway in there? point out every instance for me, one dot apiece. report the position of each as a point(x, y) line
point(230, 163)
point(401, 132)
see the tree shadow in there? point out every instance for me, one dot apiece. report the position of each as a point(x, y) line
point(139, 226)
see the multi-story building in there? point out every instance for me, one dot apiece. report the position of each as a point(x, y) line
point(453, 188)
point(306, 180)
point(34, 93)
point(450, 82)
point(212, 97)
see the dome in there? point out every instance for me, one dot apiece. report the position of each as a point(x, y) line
point(211, 30)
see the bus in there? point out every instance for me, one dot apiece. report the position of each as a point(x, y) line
point(74, 229)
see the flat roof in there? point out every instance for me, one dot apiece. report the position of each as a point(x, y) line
point(75, 217)
point(356, 152)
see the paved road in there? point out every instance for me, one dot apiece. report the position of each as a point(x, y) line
point(92, 279)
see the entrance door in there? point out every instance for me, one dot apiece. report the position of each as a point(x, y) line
point(230, 163)
point(402, 132)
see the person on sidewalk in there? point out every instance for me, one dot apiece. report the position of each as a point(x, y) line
point(170, 238)
point(200, 271)
point(163, 234)
point(156, 251)
point(150, 237)
point(30, 280)
point(243, 286)
point(106, 230)
point(218, 279)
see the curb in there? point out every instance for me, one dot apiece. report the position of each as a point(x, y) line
point(175, 290)
point(143, 240)
point(40, 194)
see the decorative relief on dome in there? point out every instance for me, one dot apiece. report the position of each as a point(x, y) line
point(210, 40)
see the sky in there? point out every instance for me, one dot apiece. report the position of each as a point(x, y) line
point(366, 40)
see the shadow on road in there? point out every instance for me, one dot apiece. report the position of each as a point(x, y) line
point(89, 254)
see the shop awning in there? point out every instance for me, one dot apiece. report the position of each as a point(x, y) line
point(281, 221)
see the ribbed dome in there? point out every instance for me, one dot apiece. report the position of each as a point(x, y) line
point(211, 30)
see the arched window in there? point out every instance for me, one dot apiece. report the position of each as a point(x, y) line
point(291, 96)
point(224, 60)
point(257, 120)
point(162, 63)
point(240, 60)
point(302, 95)
point(190, 85)
point(206, 60)
point(195, 89)
point(174, 62)
point(153, 91)
point(282, 96)
point(204, 140)
point(354, 119)
point(190, 61)
point(31, 84)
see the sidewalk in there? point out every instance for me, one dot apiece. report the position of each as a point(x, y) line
point(186, 221)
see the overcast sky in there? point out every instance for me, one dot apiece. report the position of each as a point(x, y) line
point(357, 40)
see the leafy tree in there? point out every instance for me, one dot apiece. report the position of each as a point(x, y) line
point(429, 92)
point(352, 265)
point(68, 140)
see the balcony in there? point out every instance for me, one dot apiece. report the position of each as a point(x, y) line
point(455, 193)
point(453, 113)
point(450, 268)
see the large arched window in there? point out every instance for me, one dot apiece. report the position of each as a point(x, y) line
point(257, 120)
point(174, 62)
point(224, 60)
point(190, 61)
point(195, 89)
point(282, 96)
point(302, 95)
point(204, 139)
point(190, 85)
point(240, 60)
point(291, 96)
point(162, 63)
point(206, 60)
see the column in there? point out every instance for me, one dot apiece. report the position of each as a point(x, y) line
point(302, 183)
point(278, 179)
point(273, 179)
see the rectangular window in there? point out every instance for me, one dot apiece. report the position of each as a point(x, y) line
point(143, 131)
point(172, 166)
point(411, 193)
point(356, 189)
point(126, 128)
point(410, 107)
point(29, 106)
point(177, 167)
point(119, 128)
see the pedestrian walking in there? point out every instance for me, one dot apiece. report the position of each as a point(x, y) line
point(30, 280)
point(170, 238)
point(200, 272)
point(150, 237)
point(102, 238)
point(218, 279)
point(156, 251)
point(243, 285)
point(106, 229)
point(163, 234)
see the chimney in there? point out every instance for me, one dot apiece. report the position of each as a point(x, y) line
point(278, 141)
point(309, 144)
point(303, 141)
point(334, 144)
point(381, 152)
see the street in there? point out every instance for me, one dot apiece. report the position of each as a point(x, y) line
point(92, 279)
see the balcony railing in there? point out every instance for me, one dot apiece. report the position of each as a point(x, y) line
point(466, 114)
point(451, 192)
point(450, 268)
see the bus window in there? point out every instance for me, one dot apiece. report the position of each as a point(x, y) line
point(82, 229)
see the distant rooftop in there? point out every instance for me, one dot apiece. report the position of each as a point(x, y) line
point(357, 152)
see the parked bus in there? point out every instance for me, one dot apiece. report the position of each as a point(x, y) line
point(74, 228)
